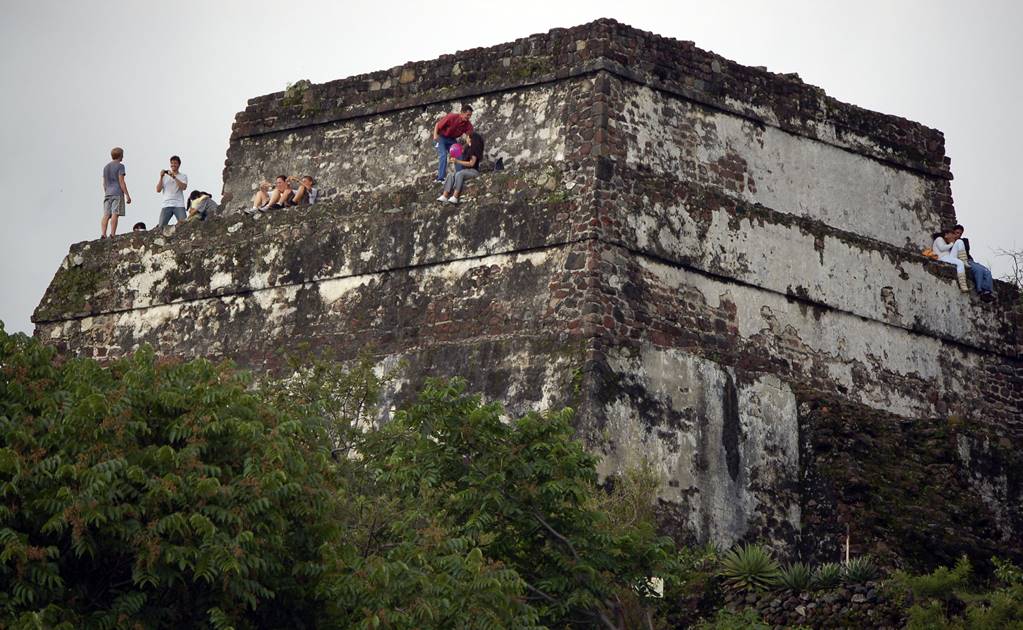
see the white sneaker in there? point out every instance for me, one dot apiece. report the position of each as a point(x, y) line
point(442, 198)
point(452, 199)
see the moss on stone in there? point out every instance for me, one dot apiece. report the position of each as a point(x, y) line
point(531, 67)
point(295, 93)
point(69, 293)
point(900, 485)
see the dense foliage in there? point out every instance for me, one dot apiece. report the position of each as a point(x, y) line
point(153, 494)
point(953, 599)
point(160, 494)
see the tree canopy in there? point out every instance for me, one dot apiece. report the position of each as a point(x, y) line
point(148, 493)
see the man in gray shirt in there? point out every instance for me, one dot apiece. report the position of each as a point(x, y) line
point(115, 192)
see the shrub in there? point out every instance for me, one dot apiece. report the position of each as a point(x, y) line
point(827, 576)
point(1000, 610)
point(940, 583)
point(929, 616)
point(731, 620)
point(1008, 573)
point(749, 567)
point(859, 570)
point(693, 592)
point(945, 599)
point(796, 577)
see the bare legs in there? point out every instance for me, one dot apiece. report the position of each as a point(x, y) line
point(278, 198)
point(112, 220)
point(260, 199)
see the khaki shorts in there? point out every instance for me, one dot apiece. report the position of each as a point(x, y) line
point(113, 204)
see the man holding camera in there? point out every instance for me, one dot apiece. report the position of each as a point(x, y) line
point(172, 184)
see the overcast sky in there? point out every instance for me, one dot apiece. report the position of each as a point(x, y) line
point(159, 78)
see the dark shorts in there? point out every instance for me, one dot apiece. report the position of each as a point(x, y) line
point(113, 204)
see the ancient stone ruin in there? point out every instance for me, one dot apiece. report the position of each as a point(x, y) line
point(718, 267)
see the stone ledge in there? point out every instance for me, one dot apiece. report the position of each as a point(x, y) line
point(878, 364)
point(705, 229)
point(337, 239)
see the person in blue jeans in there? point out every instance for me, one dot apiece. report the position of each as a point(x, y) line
point(172, 185)
point(981, 274)
point(446, 132)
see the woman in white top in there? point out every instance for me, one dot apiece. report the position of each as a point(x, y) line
point(947, 245)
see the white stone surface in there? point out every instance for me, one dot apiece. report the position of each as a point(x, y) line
point(783, 171)
point(723, 449)
point(861, 279)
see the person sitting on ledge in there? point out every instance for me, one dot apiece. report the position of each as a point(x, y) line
point(947, 245)
point(981, 275)
point(281, 194)
point(446, 132)
point(306, 194)
point(470, 168)
point(201, 205)
point(261, 198)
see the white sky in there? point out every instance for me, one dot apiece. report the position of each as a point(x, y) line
point(160, 78)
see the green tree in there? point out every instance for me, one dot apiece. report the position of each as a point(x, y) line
point(159, 494)
point(521, 492)
point(154, 494)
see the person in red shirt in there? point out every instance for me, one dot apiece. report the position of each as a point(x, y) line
point(446, 132)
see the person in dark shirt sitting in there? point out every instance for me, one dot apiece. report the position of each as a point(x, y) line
point(446, 132)
point(307, 192)
point(473, 157)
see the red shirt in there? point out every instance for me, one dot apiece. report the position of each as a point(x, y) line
point(452, 126)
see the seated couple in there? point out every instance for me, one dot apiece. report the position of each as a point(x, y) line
point(466, 168)
point(950, 247)
point(282, 196)
point(200, 206)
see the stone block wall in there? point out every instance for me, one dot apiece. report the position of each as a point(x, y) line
point(689, 252)
point(755, 163)
point(353, 156)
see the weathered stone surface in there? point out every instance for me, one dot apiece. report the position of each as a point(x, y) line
point(699, 257)
point(926, 490)
point(726, 441)
point(758, 163)
point(355, 156)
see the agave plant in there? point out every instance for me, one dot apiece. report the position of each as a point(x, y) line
point(859, 570)
point(796, 577)
point(749, 568)
point(827, 576)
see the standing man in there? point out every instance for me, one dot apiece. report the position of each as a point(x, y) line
point(172, 184)
point(446, 132)
point(115, 192)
